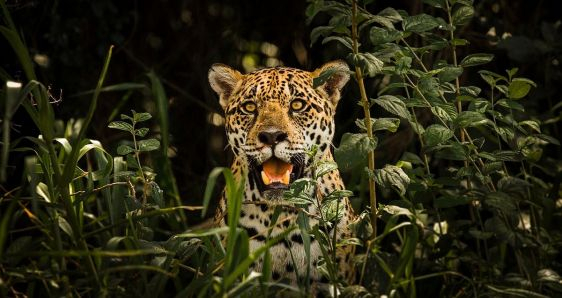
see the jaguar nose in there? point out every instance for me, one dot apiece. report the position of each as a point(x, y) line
point(272, 138)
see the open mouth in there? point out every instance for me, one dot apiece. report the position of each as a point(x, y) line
point(275, 173)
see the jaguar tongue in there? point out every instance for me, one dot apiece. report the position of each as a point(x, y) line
point(276, 170)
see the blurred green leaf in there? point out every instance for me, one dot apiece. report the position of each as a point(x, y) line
point(518, 89)
point(124, 149)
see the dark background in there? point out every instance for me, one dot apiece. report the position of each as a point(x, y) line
point(179, 40)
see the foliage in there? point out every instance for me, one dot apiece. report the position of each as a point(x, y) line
point(468, 204)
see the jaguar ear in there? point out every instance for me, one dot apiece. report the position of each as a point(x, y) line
point(330, 79)
point(223, 79)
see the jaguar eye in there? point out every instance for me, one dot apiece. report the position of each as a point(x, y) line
point(249, 107)
point(297, 105)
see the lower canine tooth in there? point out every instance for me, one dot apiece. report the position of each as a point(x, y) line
point(265, 179)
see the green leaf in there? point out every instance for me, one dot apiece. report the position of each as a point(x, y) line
point(436, 134)
point(43, 191)
point(511, 104)
point(353, 149)
point(381, 35)
point(390, 124)
point(453, 152)
point(506, 133)
point(319, 32)
point(324, 167)
point(140, 117)
point(391, 14)
point(429, 86)
point(533, 124)
point(470, 119)
point(124, 149)
point(393, 105)
point(346, 41)
point(518, 89)
point(504, 155)
point(368, 62)
point(121, 126)
point(470, 90)
point(392, 177)
point(126, 117)
point(419, 23)
point(148, 145)
point(462, 15)
point(449, 73)
point(459, 42)
point(476, 59)
point(65, 226)
point(441, 113)
point(338, 194)
point(141, 132)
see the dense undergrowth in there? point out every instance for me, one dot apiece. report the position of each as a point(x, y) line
point(470, 209)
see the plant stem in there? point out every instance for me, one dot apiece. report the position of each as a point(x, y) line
point(367, 112)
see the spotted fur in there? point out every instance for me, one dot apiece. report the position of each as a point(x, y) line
point(272, 90)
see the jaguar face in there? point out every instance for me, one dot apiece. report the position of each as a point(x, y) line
point(275, 115)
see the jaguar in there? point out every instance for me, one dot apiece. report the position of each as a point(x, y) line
point(274, 117)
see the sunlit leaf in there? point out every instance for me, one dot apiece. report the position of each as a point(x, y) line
point(419, 23)
point(462, 15)
point(518, 89)
point(140, 117)
point(148, 145)
point(121, 126)
point(392, 177)
point(476, 59)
